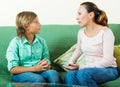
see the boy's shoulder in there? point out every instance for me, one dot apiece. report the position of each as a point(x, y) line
point(15, 39)
point(40, 39)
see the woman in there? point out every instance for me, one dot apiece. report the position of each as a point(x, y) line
point(27, 54)
point(96, 42)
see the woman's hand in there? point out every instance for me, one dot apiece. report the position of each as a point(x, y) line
point(72, 66)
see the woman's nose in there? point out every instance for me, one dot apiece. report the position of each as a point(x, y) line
point(76, 18)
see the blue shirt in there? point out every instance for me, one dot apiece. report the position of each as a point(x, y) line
point(21, 53)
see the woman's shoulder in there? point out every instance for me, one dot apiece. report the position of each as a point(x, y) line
point(106, 30)
point(81, 30)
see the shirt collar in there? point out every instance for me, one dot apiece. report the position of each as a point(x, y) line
point(25, 41)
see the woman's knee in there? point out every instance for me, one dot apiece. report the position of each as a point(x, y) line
point(84, 75)
point(70, 77)
point(70, 74)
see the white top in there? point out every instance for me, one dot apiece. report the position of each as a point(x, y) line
point(98, 50)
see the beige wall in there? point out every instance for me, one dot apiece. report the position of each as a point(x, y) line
point(54, 11)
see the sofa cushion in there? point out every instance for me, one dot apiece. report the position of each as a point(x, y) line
point(63, 59)
point(117, 55)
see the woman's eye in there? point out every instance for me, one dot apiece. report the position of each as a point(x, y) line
point(79, 13)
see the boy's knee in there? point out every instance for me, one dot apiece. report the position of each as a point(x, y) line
point(53, 72)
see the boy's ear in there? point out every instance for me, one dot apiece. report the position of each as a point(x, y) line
point(26, 27)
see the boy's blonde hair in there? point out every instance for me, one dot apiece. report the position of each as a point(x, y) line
point(23, 19)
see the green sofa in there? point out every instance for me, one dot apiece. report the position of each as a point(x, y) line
point(59, 39)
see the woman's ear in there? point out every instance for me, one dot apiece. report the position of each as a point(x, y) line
point(91, 15)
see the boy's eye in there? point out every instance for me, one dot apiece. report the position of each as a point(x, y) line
point(35, 21)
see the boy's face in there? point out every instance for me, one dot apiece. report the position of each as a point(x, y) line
point(34, 26)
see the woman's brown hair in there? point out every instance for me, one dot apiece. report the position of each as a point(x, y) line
point(23, 19)
point(100, 16)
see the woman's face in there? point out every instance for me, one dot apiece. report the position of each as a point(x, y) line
point(82, 16)
point(34, 26)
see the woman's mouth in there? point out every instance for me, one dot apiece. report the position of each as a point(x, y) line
point(79, 22)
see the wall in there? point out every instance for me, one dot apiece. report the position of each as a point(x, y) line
point(54, 11)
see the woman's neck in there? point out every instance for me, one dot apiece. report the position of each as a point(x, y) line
point(91, 27)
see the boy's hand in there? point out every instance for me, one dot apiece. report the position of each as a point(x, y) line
point(43, 62)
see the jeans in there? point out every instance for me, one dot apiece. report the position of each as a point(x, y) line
point(91, 77)
point(48, 76)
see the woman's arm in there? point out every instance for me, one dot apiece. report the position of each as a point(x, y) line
point(77, 51)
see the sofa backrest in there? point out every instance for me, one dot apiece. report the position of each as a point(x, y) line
point(59, 39)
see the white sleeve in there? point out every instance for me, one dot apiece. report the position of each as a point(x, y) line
point(77, 51)
point(108, 48)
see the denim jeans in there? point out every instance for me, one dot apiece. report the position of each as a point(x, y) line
point(91, 77)
point(48, 76)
